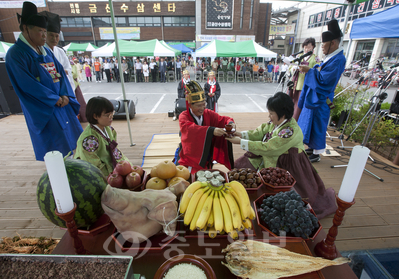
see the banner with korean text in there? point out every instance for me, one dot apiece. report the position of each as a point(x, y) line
point(286, 29)
point(124, 33)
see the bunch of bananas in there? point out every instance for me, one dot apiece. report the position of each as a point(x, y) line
point(223, 209)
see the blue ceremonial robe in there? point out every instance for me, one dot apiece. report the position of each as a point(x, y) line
point(39, 81)
point(320, 83)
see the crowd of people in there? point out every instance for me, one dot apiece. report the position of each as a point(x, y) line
point(51, 105)
point(143, 69)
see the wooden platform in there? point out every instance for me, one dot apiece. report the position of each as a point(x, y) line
point(371, 223)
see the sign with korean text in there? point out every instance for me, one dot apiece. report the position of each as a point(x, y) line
point(357, 11)
point(17, 4)
point(209, 38)
point(219, 14)
point(128, 8)
point(241, 38)
point(285, 29)
point(125, 33)
point(291, 41)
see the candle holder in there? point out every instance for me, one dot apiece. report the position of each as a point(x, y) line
point(72, 229)
point(326, 248)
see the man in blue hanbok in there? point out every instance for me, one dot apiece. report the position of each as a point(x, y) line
point(46, 96)
point(318, 92)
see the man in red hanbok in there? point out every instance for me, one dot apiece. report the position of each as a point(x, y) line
point(202, 133)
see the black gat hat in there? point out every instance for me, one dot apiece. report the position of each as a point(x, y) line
point(53, 21)
point(334, 32)
point(31, 17)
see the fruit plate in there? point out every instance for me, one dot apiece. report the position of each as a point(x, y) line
point(156, 242)
point(187, 233)
point(97, 227)
point(222, 173)
point(277, 188)
point(296, 245)
point(264, 226)
point(186, 259)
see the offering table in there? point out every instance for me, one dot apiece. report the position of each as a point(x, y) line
point(209, 249)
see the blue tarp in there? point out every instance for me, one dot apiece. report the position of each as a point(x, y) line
point(381, 25)
point(182, 48)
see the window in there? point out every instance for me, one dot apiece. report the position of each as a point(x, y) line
point(178, 21)
point(75, 22)
point(102, 22)
point(142, 21)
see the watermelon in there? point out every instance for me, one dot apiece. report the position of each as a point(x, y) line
point(87, 184)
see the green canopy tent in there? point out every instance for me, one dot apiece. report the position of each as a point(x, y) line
point(80, 47)
point(218, 48)
point(4, 48)
point(134, 48)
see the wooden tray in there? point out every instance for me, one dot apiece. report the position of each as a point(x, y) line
point(101, 225)
point(277, 188)
point(154, 243)
point(264, 226)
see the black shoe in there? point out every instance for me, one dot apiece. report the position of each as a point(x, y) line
point(314, 158)
point(309, 151)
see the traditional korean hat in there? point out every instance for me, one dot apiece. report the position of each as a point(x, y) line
point(31, 17)
point(195, 93)
point(211, 73)
point(334, 32)
point(186, 72)
point(53, 21)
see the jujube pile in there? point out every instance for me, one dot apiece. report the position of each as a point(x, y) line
point(277, 177)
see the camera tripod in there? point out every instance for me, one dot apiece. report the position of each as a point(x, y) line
point(378, 98)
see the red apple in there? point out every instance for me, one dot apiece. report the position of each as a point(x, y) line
point(123, 168)
point(133, 180)
point(115, 180)
point(138, 169)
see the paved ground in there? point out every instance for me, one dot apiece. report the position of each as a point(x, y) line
point(160, 97)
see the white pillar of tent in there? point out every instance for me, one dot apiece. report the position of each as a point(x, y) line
point(121, 72)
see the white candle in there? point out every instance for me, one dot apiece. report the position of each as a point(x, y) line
point(59, 181)
point(353, 173)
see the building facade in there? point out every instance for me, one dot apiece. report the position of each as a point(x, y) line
point(197, 21)
point(313, 19)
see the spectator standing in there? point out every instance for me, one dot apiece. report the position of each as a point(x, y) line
point(139, 70)
point(275, 72)
point(162, 70)
point(178, 69)
point(145, 71)
point(107, 69)
point(270, 72)
point(125, 69)
point(116, 71)
point(153, 70)
point(87, 69)
point(97, 69)
point(215, 66)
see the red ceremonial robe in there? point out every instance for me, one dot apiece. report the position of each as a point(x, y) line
point(199, 146)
